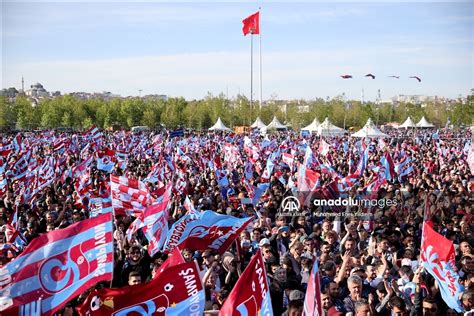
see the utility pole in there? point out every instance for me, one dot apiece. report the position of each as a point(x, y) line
point(140, 93)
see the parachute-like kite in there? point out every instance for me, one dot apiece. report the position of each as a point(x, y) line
point(370, 75)
point(397, 77)
point(417, 78)
point(346, 77)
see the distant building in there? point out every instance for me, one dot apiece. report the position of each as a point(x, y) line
point(96, 95)
point(37, 91)
point(162, 97)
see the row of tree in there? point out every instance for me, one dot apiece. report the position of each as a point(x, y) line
point(67, 111)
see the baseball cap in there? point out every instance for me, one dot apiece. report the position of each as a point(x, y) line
point(263, 242)
point(296, 295)
point(245, 243)
point(284, 229)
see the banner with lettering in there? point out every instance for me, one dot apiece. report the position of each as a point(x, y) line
point(177, 291)
point(205, 230)
point(57, 266)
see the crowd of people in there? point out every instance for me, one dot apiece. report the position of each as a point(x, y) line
point(368, 256)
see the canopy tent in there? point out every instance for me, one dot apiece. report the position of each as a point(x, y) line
point(369, 130)
point(423, 123)
point(219, 126)
point(408, 124)
point(326, 128)
point(258, 123)
point(275, 124)
point(313, 127)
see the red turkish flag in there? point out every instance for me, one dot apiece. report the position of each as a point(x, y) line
point(252, 24)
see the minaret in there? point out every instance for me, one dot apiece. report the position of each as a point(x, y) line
point(22, 84)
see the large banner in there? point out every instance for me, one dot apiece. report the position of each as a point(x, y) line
point(178, 291)
point(58, 266)
point(205, 230)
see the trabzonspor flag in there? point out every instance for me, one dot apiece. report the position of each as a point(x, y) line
point(177, 291)
point(205, 230)
point(312, 300)
point(250, 295)
point(437, 254)
point(58, 266)
point(100, 205)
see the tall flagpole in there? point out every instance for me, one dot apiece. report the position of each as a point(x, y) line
point(260, 63)
point(251, 69)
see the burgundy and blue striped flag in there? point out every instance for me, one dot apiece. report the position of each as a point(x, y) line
point(205, 230)
point(175, 292)
point(312, 300)
point(56, 267)
point(100, 205)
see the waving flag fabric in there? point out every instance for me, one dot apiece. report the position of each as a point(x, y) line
point(174, 258)
point(312, 300)
point(3, 180)
point(207, 230)
point(155, 221)
point(323, 148)
point(100, 205)
point(58, 266)
point(178, 291)
point(259, 191)
point(106, 163)
point(252, 24)
point(250, 295)
point(129, 196)
point(387, 162)
point(437, 254)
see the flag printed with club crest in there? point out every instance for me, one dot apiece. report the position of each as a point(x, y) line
point(250, 295)
point(205, 230)
point(437, 255)
point(177, 291)
point(57, 266)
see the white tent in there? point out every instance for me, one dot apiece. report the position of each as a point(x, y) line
point(219, 126)
point(369, 130)
point(328, 129)
point(275, 124)
point(423, 123)
point(258, 123)
point(313, 127)
point(408, 124)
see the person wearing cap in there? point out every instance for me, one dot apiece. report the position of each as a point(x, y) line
point(246, 251)
point(280, 240)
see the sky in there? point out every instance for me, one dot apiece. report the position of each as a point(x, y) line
point(194, 48)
